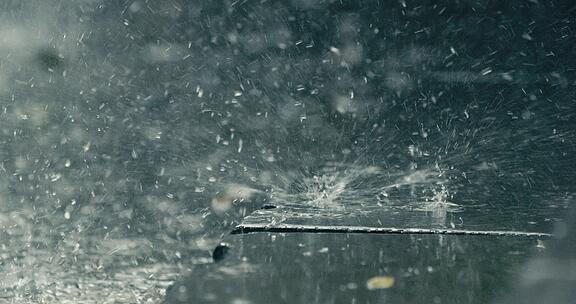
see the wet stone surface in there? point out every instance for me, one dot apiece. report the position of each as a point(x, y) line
point(357, 268)
point(438, 217)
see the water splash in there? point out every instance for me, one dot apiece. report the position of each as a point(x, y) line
point(338, 186)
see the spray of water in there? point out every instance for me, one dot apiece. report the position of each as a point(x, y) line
point(337, 186)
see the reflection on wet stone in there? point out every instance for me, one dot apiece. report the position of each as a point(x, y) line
point(373, 266)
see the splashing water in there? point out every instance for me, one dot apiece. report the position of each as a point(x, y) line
point(340, 186)
point(329, 187)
